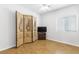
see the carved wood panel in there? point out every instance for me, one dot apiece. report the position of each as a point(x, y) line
point(28, 28)
point(34, 29)
point(19, 29)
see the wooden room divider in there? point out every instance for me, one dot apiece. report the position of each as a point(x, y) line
point(26, 29)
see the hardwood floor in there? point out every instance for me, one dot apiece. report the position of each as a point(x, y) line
point(43, 47)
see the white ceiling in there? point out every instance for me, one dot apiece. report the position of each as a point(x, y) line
point(37, 7)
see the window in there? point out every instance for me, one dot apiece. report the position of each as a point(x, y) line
point(68, 24)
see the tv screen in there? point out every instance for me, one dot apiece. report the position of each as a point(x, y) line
point(42, 29)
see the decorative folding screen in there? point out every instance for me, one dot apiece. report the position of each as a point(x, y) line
point(26, 29)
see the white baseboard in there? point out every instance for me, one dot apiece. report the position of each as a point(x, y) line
point(7, 48)
point(64, 42)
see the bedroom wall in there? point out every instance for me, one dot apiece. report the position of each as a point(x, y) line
point(8, 24)
point(49, 20)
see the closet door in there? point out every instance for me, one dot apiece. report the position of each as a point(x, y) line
point(28, 28)
point(19, 29)
point(34, 29)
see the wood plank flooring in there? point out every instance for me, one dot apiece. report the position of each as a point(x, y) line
point(43, 47)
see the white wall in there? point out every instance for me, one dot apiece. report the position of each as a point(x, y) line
point(8, 24)
point(49, 20)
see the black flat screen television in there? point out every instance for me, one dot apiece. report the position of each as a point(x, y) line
point(42, 29)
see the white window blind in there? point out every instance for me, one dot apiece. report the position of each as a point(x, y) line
point(67, 24)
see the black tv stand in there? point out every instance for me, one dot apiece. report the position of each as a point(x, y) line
point(42, 32)
point(41, 35)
